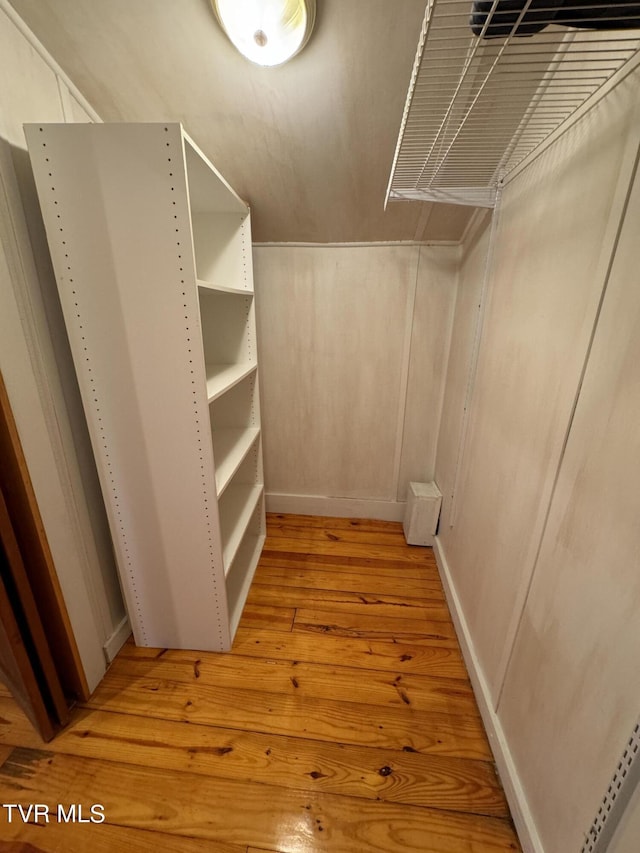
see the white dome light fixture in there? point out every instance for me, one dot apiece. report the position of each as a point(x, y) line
point(267, 32)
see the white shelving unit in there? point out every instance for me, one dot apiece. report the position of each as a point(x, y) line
point(152, 254)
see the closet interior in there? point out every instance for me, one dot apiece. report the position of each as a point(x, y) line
point(306, 343)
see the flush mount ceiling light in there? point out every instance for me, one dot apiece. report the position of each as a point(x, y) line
point(268, 32)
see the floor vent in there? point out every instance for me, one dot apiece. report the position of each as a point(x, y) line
point(621, 787)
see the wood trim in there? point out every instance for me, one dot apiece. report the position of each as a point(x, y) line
point(338, 507)
point(405, 370)
point(485, 293)
point(117, 639)
point(16, 485)
point(15, 663)
point(520, 812)
point(27, 619)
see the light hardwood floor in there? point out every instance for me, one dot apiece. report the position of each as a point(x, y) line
point(342, 722)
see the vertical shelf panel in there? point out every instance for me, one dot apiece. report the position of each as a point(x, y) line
point(238, 503)
point(230, 447)
point(243, 568)
point(222, 377)
point(236, 509)
point(235, 428)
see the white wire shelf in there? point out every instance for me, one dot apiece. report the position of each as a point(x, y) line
point(492, 80)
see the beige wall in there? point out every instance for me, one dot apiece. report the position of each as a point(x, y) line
point(541, 548)
point(579, 638)
point(34, 356)
point(353, 348)
point(467, 325)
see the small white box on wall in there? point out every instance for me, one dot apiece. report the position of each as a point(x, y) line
point(422, 513)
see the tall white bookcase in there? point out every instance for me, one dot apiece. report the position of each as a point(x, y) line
point(152, 254)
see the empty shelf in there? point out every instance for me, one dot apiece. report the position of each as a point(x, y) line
point(241, 574)
point(222, 377)
point(236, 510)
point(223, 288)
point(230, 446)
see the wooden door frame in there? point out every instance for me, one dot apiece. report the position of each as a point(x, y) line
point(43, 600)
point(26, 665)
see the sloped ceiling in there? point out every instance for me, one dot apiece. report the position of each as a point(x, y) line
point(309, 145)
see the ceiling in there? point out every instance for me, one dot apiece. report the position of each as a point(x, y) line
point(309, 144)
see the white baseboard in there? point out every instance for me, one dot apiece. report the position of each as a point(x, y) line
point(522, 817)
point(117, 640)
point(336, 507)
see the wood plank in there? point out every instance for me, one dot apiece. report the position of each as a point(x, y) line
point(386, 655)
point(305, 680)
point(275, 532)
point(349, 602)
point(403, 777)
point(309, 522)
point(350, 580)
point(228, 811)
point(18, 847)
point(296, 716)
point(362, 625)
point(57, 837)
point(379, 567)
point(400, 553)
point(383, 655)
point(267, 615)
